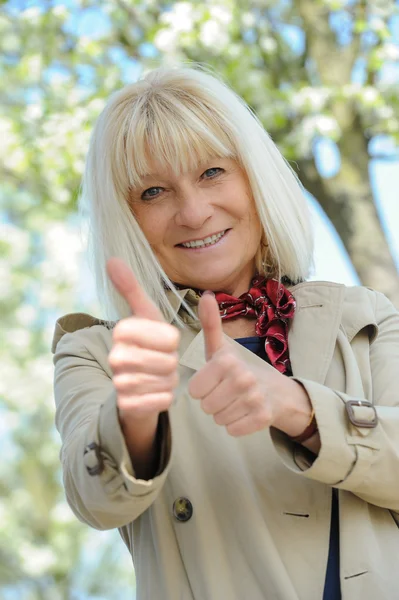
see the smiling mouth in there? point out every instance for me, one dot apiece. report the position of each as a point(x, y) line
point(204, 243)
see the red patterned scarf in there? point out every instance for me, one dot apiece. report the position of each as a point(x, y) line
point(273, 306)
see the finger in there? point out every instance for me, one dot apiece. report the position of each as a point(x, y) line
point(209, 315)
point(144, 405)
point(212, 373)
point(250, 423)
point(129, 288)
point(245, 426)
point(202, 383)
point(143, 333)
point(231, 414)
point(219, 399)
point(145, 361)
point(144, 383)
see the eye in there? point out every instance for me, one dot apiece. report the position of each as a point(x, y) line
point(212, 172)
point(152, 192)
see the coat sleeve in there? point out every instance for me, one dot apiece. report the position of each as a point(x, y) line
point(99, 478)
point(364, 461)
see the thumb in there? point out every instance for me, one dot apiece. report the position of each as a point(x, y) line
point(209, 315)
point(129, 288)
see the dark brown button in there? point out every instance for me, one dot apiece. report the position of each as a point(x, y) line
point(93, 460)
point(182, 509)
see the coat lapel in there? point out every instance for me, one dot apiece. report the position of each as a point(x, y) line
point(313, 334)
point(311, 338)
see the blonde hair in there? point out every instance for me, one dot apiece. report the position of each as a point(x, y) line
point(183, 116)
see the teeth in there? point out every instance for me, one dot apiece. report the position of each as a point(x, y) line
point(206, 242)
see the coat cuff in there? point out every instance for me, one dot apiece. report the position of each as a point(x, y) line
point(346, 451)
point(114, 450)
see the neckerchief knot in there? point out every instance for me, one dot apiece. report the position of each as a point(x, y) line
point(273, 306)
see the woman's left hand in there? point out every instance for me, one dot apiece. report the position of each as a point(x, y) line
point(242, 397)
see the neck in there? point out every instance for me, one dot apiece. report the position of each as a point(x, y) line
point(239, 327)
point(235, 291)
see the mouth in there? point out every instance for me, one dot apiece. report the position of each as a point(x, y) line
point(208, 242)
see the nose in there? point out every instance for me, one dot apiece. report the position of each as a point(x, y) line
point(193, 209)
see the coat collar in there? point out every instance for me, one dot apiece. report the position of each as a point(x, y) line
point(311, 337)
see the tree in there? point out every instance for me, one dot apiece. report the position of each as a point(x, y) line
point(315, 71)
point(295, 63)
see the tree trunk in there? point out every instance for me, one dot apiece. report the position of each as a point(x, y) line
point(347, 198)
point(348, 201)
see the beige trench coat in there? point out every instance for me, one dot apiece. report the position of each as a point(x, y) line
point(261, 506)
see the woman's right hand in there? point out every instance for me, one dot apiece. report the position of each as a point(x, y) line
point(144, 361)
point(144, 357)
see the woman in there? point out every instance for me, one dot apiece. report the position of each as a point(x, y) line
point(223, 432)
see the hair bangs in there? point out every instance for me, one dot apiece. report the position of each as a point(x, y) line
point(173, 133)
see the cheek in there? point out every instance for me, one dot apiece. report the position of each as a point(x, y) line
point(253, 229)
point(152, 222)
point(256, 224)
point(252, 218)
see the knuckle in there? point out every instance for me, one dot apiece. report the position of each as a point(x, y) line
point(175, 380)
point(253, 402)
point(125, 357)
point(244, 380)
point(126, 403)
point(176, 335)
point(166, 401)
point(227, 361)
point(112, 360)
point(218, 418)
point(172, 335)
point(115, 357)
point(193, 388)
point(116, 332)
point(206, 407)
point(122, 328)
point(173, 361)
point(234, 430)
point(167, 383)
point(124, 383)
point(169, 398)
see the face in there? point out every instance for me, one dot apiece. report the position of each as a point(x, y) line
point(202, 225)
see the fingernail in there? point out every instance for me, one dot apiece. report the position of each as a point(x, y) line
point(209, 293)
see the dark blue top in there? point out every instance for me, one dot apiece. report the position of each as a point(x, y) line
point(332, 586)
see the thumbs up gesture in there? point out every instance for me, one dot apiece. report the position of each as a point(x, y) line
point(239, 396)
point(144, 356)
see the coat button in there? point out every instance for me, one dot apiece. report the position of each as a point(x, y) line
point(93, 459)
point(182, 509)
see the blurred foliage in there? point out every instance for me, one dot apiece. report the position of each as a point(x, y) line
point(314, 71)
